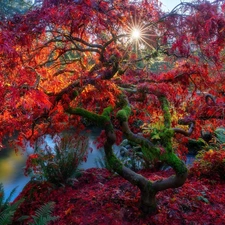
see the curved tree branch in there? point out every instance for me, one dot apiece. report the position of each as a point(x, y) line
point(153, 151)
point(147, 187)
point(191, 125)
point(209, 97)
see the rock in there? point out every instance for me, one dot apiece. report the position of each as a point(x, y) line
point(123, 152)
point(124, 142)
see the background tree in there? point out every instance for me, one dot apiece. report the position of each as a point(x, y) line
point(70, 60)
point(9, 8)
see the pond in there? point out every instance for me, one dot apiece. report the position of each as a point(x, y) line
point(12, 165)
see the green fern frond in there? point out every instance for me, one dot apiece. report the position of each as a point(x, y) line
point(44, 220)
point(6, 216)
point(45, 210)
point(2, 196)
point(15, 205)
point(10, 195)
point(4, 203)
point(43, 214)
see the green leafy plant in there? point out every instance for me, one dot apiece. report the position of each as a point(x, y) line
point(43, 214)
point(58, 165)
point(7, 210)
point(132, 156)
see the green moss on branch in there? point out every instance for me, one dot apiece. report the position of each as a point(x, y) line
point(176, 163)
point(150, 153)
point(112, 160)
point(107, 111)
point(166, 139)
point(101, 120)
point(166, 111)
point(123, 114)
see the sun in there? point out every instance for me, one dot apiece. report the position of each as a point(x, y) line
point(135, 33)
point(141, 34)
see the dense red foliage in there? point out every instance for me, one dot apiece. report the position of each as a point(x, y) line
point(100, 197)
point(80, 55)
point(56, 56)
point(211, 165)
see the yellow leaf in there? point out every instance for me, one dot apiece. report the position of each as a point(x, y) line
point(155, 137)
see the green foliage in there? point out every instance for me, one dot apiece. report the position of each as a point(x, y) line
point(8, 8)
point(7, 210)
point(130, 158)
point(210, 164)
point(59, 165)
point(134, 159)
point(6, 216)
point(43, 214)
point(4, 203)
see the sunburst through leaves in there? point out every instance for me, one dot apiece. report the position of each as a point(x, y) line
point(142, 35)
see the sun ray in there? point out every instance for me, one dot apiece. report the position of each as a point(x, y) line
point(140, 33)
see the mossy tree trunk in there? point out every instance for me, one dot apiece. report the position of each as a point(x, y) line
point(148, 188)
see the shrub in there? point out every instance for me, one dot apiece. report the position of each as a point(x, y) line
point(58, 165)
point(133, 158)
point(210, 164)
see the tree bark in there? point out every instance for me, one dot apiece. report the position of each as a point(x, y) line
point(148, 188)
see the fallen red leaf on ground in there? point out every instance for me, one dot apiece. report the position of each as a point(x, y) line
point(100, 197)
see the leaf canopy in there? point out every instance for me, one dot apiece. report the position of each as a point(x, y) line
point(80, 54)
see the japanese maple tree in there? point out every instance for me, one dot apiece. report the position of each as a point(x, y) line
point(67, 60)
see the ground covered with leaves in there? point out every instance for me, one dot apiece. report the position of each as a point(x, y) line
point(101, 197)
